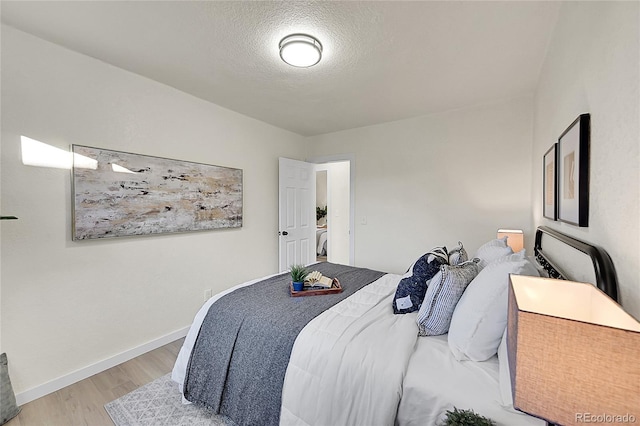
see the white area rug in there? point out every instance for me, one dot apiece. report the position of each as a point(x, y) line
point(159, 403)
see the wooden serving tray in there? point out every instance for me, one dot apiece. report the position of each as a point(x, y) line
point(335, 288)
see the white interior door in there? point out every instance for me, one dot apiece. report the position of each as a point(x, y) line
point(297, 216)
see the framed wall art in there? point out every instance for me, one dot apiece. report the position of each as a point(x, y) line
point(119, 194)
point(573, 173)
point(549, 183)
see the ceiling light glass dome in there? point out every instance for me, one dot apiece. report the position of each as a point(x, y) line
point(300, 50)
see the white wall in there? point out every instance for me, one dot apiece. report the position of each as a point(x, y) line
point(592, 66)
point(67, 305)
point(435, 179)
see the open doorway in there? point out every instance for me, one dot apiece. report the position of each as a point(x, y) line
point(333, 212)
point(321, 216)
point(297, 220)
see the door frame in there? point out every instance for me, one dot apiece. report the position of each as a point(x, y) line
point(351, 158)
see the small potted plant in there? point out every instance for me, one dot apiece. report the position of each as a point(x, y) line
point(465, 418)
point(298, 274)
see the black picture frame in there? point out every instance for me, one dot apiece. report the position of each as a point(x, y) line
point(573, 172)
point(550, 183)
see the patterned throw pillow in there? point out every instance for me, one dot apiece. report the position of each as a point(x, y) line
point(441, 298)
point(458, 255)
point(412, 288)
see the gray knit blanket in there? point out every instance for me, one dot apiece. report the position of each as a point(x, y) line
point(240, 357)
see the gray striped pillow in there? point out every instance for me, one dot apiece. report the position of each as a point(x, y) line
point(442, 296)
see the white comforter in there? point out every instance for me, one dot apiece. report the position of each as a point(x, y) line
point(348, 364)
point(359, 364)
point(358, 346)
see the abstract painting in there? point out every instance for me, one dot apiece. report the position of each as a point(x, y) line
point(119, 194)
point(549, 184)
point(573, 173)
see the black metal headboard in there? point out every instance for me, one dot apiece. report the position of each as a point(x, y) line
point(605, 272)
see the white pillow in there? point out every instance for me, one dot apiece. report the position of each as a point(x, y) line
point(505, 374)
point(480, 316)
point(492, 250)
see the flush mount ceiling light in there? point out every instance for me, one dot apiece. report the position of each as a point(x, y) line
point(300, 50)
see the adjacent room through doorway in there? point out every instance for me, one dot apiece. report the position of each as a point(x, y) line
point(333, 212)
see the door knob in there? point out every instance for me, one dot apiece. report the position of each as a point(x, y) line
point(283, 233)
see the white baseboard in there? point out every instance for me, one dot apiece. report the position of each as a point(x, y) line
point(88, 371)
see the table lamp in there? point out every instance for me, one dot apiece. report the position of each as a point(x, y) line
point(574, 353)
point(515, 238)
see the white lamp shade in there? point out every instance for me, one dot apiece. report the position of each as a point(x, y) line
point(515, 238)
point(573, 352)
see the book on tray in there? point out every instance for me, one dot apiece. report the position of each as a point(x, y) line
point(316, 280)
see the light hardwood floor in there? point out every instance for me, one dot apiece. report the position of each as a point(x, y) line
point(83, 403)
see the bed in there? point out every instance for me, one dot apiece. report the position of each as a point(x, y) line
point(356, 362)
point(321, 241)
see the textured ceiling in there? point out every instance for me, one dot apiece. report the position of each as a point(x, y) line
point(382, 61)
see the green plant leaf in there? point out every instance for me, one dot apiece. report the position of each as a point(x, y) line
point(320, 212)
point(466, 418)
point(298, 273)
